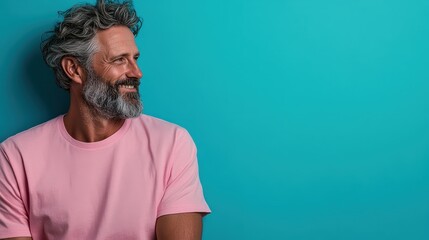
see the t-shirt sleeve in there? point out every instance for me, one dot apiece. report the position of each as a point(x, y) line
point(183, 192)
point(13, 215)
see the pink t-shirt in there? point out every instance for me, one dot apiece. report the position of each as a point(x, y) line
point(55, 187)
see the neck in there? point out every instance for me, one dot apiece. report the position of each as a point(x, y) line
point(86, 125)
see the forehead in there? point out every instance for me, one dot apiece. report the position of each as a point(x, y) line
point(116, 40)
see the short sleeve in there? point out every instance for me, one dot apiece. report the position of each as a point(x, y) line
point(13, 216)
point(183, 192)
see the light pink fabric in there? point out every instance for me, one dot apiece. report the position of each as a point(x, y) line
point(55, 187)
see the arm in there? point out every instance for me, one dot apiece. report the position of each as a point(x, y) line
point(182, 226)
point(13, 215)
point(18, 238)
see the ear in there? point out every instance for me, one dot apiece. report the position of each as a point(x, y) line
point(73, 69)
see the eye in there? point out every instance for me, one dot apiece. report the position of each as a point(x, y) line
point(119, 60)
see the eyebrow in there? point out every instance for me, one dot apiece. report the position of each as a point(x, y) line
point(124, 55)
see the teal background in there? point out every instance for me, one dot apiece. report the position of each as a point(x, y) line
point(311, 117)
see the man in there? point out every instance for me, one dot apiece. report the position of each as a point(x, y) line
point(103, 170)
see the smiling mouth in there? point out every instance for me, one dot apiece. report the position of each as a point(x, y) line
point(127, 86)
point(124, 88)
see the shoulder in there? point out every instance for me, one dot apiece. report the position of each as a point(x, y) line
point(160, 132)
point(155, 125)
point(33, 135)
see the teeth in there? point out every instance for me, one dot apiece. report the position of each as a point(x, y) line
point(127, 86)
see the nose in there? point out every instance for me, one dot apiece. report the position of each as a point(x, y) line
point(134, 71)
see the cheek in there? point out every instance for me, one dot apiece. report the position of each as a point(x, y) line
point(113, 73)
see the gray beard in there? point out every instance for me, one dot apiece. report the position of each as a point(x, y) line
point(106, 100)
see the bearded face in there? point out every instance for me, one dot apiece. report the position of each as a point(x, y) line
point(107, 99)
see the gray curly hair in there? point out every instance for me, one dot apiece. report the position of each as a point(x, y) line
point(75, 35)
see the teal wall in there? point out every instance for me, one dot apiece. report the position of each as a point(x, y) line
point(311, 117)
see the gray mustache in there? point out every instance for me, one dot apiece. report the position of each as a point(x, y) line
point(129, 81)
